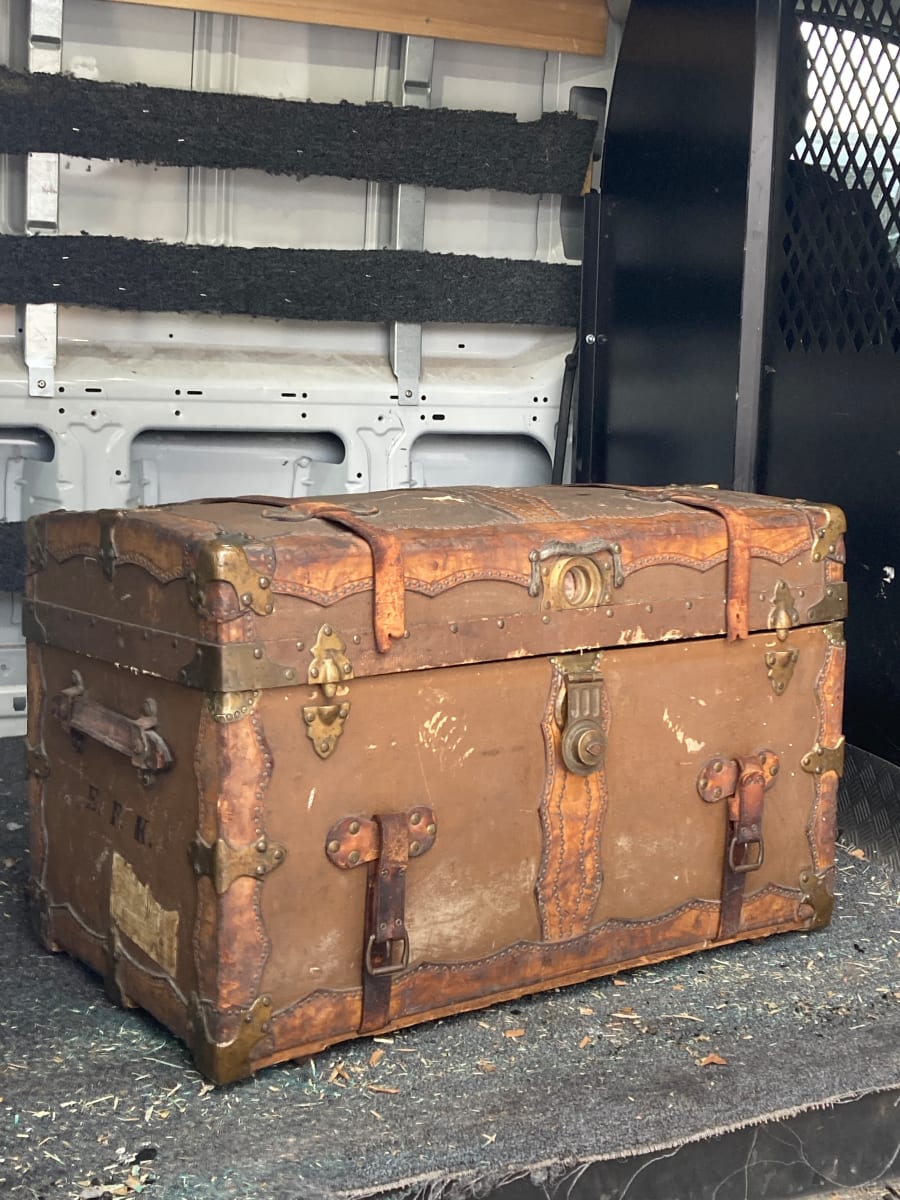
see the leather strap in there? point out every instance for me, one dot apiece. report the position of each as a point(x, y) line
point(385, 927)
point(738, 525)
point(744, 847)
point(388, 569)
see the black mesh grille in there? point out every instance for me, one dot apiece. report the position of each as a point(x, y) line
point(840, 279)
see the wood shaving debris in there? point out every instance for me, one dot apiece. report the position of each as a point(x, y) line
point(375, 1057)
point(513, 1033)
point(714, 1060)
point(586, 1012)
point(585, 1041)
point(377, 1087)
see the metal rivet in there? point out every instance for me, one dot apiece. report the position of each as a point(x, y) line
point(609, 612)
point(347, 669)
point(688, 604)
point(356, 639)
point(717, 765)
point(42, 383)
point(299, 645)
point(246, 598)
point(415, 818)
point(414, 847)
point(327, 630)
point(617, 548)
point(257, 653)
point(270, 608)
point(278, 855)
point(314, 672)
point(289, 674)
point(353, 826)
point(773, 770)
point(704, 784)
point(717, 793)
point(263, 581)
point(546, 620)
point(267, 1001)
point(382, 924)
point(260, 870)
point(333, 847)
point(262, 846)
point(399, 922)
point(649, 608)
point(405, 633)
point(309, 717)
point(501, 624)
point(265, 1027)
point(431, 830)
point(353, 857)
point(454, 629)
point(590, 339)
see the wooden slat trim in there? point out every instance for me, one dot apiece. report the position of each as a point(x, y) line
point(572, 26)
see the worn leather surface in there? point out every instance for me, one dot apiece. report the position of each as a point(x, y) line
point(537, 875)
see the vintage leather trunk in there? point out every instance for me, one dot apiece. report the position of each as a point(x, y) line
point(307, 770)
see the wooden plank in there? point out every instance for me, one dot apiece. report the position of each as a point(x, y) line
point(573, 26)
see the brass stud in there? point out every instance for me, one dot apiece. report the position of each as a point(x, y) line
point(414, 847)
point(717, 765)
point(262, 846)
point(333, 847)
point(289, 674)
point(454, 628)
point(314, 672)
point(354, 827)
point(501, 624)
point(246, 598)
point(353, 857)
point(546, 620)
point(356, 639)
point(431, 829)
point(299, 645)
point(415, 818)
point(263, 581)
point(717, 793)
point(257, 653)
point(327, 630)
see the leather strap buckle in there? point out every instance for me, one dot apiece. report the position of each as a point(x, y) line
point(389, 967)
point(742, 782)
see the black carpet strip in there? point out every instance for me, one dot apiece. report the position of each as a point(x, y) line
point(440, 148)
point(532, 1089)
point(312, 285)
point(12, 556)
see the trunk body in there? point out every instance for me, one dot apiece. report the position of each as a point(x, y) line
point(301, 772)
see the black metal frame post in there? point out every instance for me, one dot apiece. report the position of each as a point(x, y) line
point(761, 196)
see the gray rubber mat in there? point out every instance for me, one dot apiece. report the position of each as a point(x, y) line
point(92, 1097)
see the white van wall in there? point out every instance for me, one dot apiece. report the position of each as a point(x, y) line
point(151, 408)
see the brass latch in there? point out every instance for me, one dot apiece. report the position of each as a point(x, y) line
point(780, 668)
point(386, 843)
point(330, 670)
point(783, 616)
point(580, 714)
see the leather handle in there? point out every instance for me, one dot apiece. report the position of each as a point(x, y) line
point(134, 737)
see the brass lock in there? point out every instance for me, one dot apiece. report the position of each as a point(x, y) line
point(579, 715)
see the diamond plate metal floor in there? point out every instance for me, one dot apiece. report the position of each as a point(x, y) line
point(869, 806)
